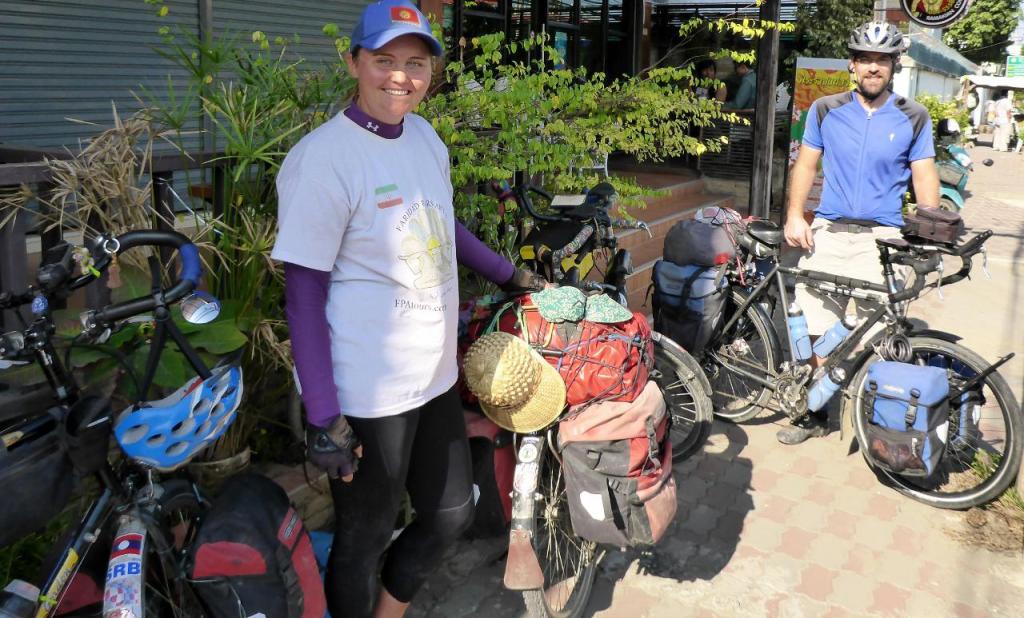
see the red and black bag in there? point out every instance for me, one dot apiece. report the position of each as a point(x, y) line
point(253, 556)
point(617, 459)
point(933, 225)
point(598, 362)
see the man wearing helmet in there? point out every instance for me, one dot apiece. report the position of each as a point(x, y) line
point(871, 143)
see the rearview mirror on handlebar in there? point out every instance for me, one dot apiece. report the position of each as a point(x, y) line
point(200, 308)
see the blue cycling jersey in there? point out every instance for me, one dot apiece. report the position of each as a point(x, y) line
point(867, 155)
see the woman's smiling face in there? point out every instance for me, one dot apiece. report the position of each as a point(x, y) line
point(393, 79)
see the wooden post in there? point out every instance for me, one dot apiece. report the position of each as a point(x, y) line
point(764, 117)
point(14, 264)
point(164, 207)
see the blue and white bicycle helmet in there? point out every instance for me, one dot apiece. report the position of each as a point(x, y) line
point(877, 36)
point(167, 433)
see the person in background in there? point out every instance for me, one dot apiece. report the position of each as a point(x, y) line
point(369, 241)
point(706, 69)
point(747, 91)
point(1003, 121)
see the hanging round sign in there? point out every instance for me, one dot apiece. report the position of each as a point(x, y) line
point(935, 13)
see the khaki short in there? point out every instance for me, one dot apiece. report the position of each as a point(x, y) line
point(850, 254)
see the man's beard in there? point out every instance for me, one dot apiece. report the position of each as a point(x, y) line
point(871, 95)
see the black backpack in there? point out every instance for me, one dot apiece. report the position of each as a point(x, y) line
point(252, 555)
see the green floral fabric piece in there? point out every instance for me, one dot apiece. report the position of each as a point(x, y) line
point(602, 309)
point(569, 304)
point(565, 304)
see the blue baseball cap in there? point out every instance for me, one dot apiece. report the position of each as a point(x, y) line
point(384, 21)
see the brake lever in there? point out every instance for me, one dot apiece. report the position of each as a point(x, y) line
point(938, 284)
point(643, 226)
point(984, 263)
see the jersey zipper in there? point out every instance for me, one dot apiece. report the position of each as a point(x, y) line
point(860, 163)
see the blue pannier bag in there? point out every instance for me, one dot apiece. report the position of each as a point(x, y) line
point(909, 420)
point(688, 302)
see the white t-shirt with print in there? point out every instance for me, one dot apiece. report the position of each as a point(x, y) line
point(377, 213)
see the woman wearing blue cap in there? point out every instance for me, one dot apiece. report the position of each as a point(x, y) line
point(367, 234)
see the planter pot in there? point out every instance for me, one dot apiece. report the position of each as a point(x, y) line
point(210, 475)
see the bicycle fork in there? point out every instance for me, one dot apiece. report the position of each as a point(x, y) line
point(522, 569)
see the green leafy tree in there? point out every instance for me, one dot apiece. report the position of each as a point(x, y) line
point(823, 28)
point(983, 34)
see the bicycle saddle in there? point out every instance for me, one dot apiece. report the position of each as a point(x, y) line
point(767, 232)
point(167, 433)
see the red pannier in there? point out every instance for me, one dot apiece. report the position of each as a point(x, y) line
point(617, 458)
point(252, 555)
point(598, 362)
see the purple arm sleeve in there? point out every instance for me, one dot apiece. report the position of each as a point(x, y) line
point(472, 253)
point(305, 293)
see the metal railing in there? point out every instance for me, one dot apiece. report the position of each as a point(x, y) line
point(736, 159)
point(27, 166)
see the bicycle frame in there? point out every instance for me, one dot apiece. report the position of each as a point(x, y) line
point(892, 302)
point(824, 282)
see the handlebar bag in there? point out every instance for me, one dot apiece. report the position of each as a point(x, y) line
point(694, 242)
point(688, 303)
point(909, 417)
point(617, 458)
point(37, 480)
point(252, 555)
point(933, 225)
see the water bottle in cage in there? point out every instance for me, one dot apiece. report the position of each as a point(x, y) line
point(823, 390)
point(834, 336)
point(798, 336)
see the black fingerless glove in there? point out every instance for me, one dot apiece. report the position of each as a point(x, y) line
point(332, 448)
point(523, 281)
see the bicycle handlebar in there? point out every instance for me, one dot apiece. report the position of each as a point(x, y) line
point(188, 279)
point(932, 261)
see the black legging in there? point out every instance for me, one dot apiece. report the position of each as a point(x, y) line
point(424, 451)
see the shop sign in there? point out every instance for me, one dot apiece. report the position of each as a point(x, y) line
point(1015, 66)
point(935, 13)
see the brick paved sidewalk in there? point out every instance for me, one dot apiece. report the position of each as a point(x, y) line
point(765, 530)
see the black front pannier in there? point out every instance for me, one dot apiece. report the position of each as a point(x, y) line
point(253, 556)
point(40, 468)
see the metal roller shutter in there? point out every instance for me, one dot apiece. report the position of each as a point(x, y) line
point(306, 18)
point(64, 59)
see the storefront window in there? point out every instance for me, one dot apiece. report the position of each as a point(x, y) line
point(594, 34)
point(591, 35)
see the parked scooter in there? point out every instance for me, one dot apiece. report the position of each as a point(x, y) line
point(953, 171)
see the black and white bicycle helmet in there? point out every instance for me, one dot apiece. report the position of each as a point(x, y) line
point(877, 36)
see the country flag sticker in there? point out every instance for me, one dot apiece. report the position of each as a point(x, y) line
point(401, 14)
point(387, 196)
point(127, 545)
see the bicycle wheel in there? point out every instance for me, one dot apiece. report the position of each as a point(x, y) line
point(569, 563)
point(983, 450)
point(171, 531)
point(687, 395)
point(751, 345)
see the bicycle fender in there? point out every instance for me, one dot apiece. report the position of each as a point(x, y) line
point(522, 569)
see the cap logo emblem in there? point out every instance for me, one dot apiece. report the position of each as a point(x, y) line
point(404, 15)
